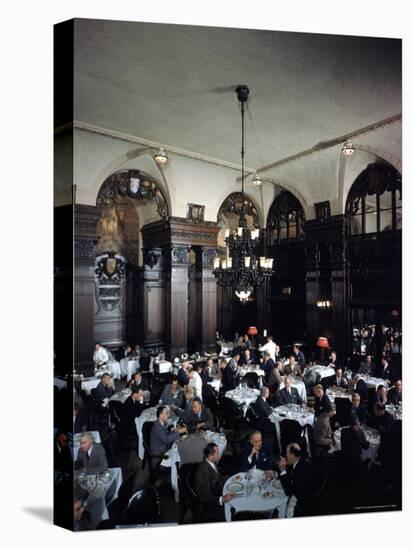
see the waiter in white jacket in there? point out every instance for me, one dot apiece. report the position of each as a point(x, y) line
point(270, 346)
point(100, 356)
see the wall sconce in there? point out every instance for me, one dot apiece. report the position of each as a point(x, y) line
point(287, 290)
point(324, 304)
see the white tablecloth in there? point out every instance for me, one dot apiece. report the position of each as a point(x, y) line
point(88, 384)
point(333, 393)
point(97, 505)
point(255, 502)
point(373, 382)
point(215, 384)
point(114, 369)
point(60, 383)
point(208, 437)
point(299, 385)
point(76, 442)
point(121, 396)
point(226, 347)
point(372, 437)
point(323, 371)
point(148, 415)
point(129, 366)
point(394, 410)
point(302, 414)
point(243, 396)
point(164, 366)
point(246, 369)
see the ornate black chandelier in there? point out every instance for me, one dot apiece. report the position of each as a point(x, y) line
point(245, 266)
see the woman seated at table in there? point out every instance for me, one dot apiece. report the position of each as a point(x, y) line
point(258, 455)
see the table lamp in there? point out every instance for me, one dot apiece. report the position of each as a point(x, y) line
point(322, 343)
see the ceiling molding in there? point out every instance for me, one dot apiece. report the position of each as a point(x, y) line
point(332, 143)
point(85, 127)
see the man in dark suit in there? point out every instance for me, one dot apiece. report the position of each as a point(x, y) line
point(199, 417)
point(257, 455)
point(161, 439)
point(339, 380)
point(387, 372)
point(288, 394)
point(367, 366)
point(234, 362)
point(358, 410)
point(131, 409)
point(322, 401)
point(293, 368)
point(261, 405)
point(297, 479)
point(209, 486)
point(267, 364)
point(63, 461)
point(172, 394)
point(182, 374)
point(104, 390)
point(395, 393)
point(91, 457)
point(228, 377)
point(360, 387)
point(246, 358)
point(334, 362)
point(300, 358)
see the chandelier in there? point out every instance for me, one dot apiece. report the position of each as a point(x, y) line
point(244, 268)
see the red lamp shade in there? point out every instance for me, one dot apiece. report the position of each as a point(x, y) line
point(322, 342)
point(252, 331)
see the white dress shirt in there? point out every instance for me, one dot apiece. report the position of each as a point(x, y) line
point(101, 356)
point(271, 348)
point(196, 382)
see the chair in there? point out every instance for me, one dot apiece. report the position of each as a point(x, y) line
point(290, 432)
point(343, 410)
point(118, 506)
point(188, 499)
point(251, 379)
point(231, 414)
point(312, 447)
point(115, 413)
point(154, 471)
point(144, 508)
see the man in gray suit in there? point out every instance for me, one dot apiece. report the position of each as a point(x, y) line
point(322, 432)
point(199, 417)
point(160, 438)
point(91, 457)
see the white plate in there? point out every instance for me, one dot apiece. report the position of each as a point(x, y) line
point(235, 487)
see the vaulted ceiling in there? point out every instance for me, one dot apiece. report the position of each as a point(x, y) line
point(175, 85)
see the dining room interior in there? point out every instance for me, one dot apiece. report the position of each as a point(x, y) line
point(227, 274)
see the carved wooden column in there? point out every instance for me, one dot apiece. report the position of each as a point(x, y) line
point(85, 223)
point(339, 276)
point(153, 289)
point(176, 263)
point(206, 299)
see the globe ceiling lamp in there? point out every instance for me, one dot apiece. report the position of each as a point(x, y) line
point(347, 148)
point(161, 156)
point(257, 180)
point(245, 267)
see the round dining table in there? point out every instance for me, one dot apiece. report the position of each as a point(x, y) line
point(301, 413)
point(255, 494)
point(372, 437)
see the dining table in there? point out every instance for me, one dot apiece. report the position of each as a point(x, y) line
point(254, 493)
point(372, 437)
point(103, 489)
point(243, 396)
point(129, 366)
point(148, 415)
point(334, 392)
point(301, 413)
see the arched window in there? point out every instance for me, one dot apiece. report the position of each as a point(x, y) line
point(285, 219)
point(374, 203)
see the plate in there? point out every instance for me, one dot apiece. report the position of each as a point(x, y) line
point(235, 487)
point(267, 495)
point(237, 478)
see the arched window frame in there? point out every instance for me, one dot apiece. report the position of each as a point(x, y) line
point(370, 185)
point(285, 213)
